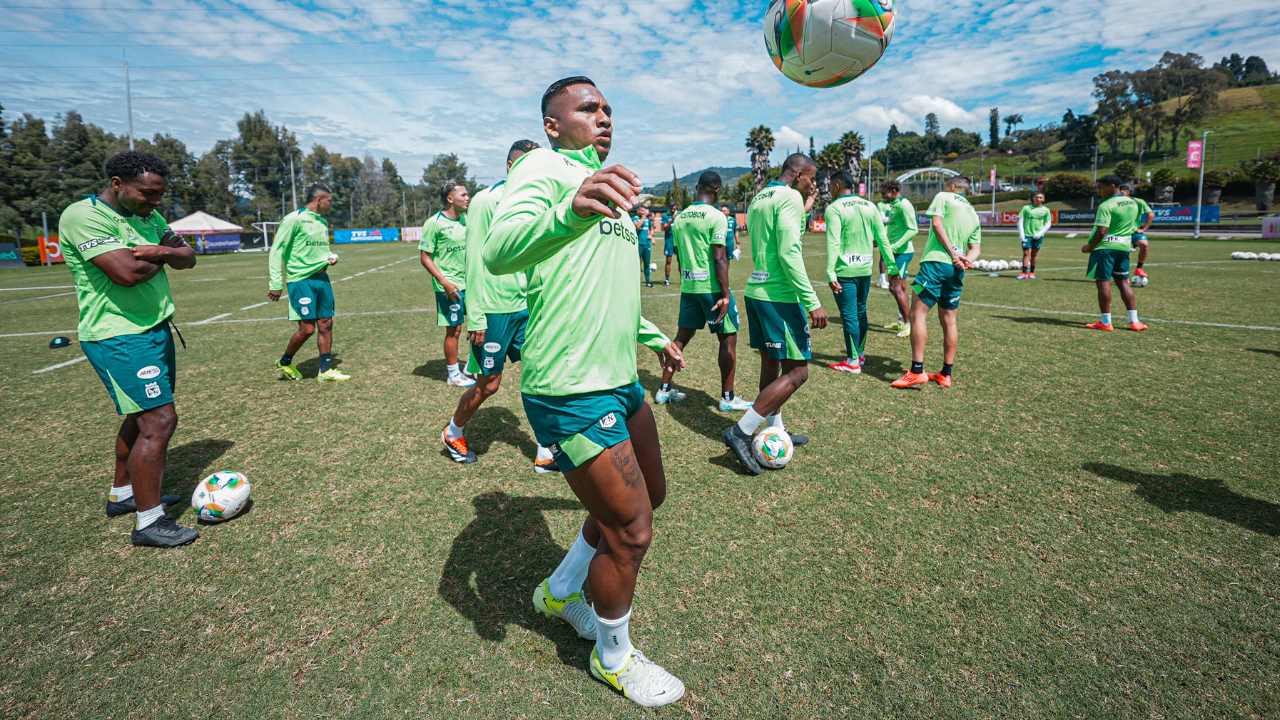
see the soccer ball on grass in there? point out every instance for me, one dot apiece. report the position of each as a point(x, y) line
point(826, 43)
point(1139, 281)
point(221, 496)
point(773, 448)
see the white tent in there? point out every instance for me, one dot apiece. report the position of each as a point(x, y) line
point(202, 223)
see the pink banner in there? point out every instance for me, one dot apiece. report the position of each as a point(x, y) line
point(1195, 152)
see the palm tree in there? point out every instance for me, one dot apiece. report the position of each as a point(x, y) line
point(1010, 122)
point(851, 146)
point(760, 143)
point(830, 159)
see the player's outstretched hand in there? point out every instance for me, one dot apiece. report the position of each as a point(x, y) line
point(613, 187)
point(818, 318)
point(273, 295)
point(671, 357)
point(475, 337)
point(836, 287)
point(720, 309)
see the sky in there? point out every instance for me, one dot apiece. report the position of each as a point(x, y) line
point(687, 79)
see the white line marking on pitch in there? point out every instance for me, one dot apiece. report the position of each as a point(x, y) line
point(41, 297)
point(38, 287)
point(1229, 326)
point(215, 318)
point(72, 361)
point(256, 305)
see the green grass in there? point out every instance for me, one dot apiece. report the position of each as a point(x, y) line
point(1086, 526)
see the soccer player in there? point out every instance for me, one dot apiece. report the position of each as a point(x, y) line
point(300, 259)
point(705, 298)
point(644, 231)
point(778, 297)
point(855, 232)
point(955, 241)
point(497, 313)
point(668, 242)
point(1034, 221)
point(900, 222)
point(1108, 248)
point(1146, 216)
point(443, 252)
point(117, 246)
point(730, 233)
point(563, 221)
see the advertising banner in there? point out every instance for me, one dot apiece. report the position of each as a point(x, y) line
point(366, 235)
point(818, 225)
point(1195, 152)
point(211, 244)
point(1008, 217)
point(1271, 227)
point(10, 255)
point(50, 250)
point(1076, 216)
point(411, 234)
point(1185, 214)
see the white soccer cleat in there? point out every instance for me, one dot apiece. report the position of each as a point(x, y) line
point(641, 680)
point(461, 380)
point(573, 610)
point(664, 397)
point(735, 405)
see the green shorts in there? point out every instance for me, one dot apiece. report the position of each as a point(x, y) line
point(311, 298)
point(903, 261)
point(696, 313)
point(779, 330)
point(1107, 265)
point(448, 312)
point(503, 339)
point(576, 428)
point(139, 370)
point(939, 283)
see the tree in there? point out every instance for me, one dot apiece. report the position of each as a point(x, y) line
point(676, 195)
point(959, 141)
point(1232, 67)
point(33, 171)
point(908, 151)
point(1010, 122)
point(893, 133)
point(1192, 89)
point(212, 182)
point(1080, 137)
point(444, 168)
point(760, 143)
point(261, 159)
point(931, 126)
point(851, 147)
point(1126, 170)
point(993, 130)
point(829, 160)
point(1255, 72)
point(1114, 92)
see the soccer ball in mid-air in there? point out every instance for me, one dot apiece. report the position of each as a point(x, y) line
point(1139, 281)
point(825, 43)
point(773, 448)
point(221, 496)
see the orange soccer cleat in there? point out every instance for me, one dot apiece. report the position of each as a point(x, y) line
point(457, 448)
point(1137, 326)
point(846, 367)
point(910, 380)
point(1099, 325)
point(944, 381)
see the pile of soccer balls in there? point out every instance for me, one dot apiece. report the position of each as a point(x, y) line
point(997, 265)
point(1244, 255)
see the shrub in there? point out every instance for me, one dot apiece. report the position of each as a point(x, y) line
point(1126, 170)
point(1068, 185)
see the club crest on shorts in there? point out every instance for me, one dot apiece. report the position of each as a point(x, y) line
point(152, 390)
point(609, 421)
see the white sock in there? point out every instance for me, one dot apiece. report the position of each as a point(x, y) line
point(883, 278)
point(572, 571)
point(1106, 318)
point(775, 420)
point(120, 494)
point(147, 518)
point(453, 370)
point(613, 641)
point(751, 421)
point(545, 454)
point(1133, 316)
point(455, 430)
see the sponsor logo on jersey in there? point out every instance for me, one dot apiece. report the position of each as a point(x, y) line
point(616, 227)
point(492, 347)
point(148, 372)
point(609, 421)
point(96, 242)
point(152, 390)
point(773, 345)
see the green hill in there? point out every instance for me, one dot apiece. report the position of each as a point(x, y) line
point(728, 175)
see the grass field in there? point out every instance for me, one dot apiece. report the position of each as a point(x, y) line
point(1086, 526)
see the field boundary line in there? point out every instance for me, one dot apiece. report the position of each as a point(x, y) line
point(38, 287)
point(1200, 323)
point(55, 366)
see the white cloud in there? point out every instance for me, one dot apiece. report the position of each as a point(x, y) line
point(948, 112)
point(787, 139)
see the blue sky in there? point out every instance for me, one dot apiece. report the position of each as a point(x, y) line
point(408, 80)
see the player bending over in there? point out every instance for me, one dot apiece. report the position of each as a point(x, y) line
point(955, 241)
point(706, 300)
point(1034, 221)
point(1108, 248)
point(778, 297)
point(900, 222)
point(1146, 216)
point(855, 233)
point(443, 252)
point(563, 221)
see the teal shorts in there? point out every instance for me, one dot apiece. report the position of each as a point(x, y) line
point(139, 370)
point(503, 339)
point(312, 298)
point(669, 245)
point(779, 330)
point(939, 283)
point(903, 261)
point(1107, 265)
point(1032, 243)
point(448, 312)
point(576, 428)
point(696, 313)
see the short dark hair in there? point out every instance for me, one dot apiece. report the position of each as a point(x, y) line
point(558, 86)
point(890, 186)
point(315, 189)
point(522, 147)
point(448, 187)
point(1111, 180)
point(957, 180)
point(132, 164)
point(797, 162)
point(709, 179)
point(844, 178)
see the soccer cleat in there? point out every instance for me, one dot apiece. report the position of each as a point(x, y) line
point(905, 331)
point(664, 397)
point(846, 367)
point(573, 610)
point(1099, 325)
point(896, 325)
point(1139, 272)
point(288, 372)
point(737, 404)
point(798, 440)
point(124, 507)
point(164, 533)
point(667, 282)
point(648, 284)
point(1023, 276)
point(1138, 326)
point(641, 680)
point(740, 443)
point(461, 380)
point(943, 381)
point(542, 466)
point(884, 283)
point(1031, 276)
point(909, 380)
point(333, 375)
point(457, 448)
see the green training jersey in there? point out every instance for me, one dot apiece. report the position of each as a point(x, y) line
point(776, 219)
point(1118, 218)
point(445, 240)
point(1143, 211)
point(584, 278)
point(696, 229)
point(959, 220)
point(900, 223)
point(300, 250)
point(855, 231)
point(89, 228)
point(1035, 220)
point(486, 292)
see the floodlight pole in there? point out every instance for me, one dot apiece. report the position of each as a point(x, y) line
point(44, 220)
point(1204, 156)
point(128, 101)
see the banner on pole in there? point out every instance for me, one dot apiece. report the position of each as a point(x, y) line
point(366, 235)
point(1195, 154)
point(10, 255)
point(50, 250)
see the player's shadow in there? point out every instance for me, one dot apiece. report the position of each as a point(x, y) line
point(877, 366)
point(1264, 351)
point(311, 366)
point(696, 411)
point(1041, 320)
point(496, 562)
point(433, 370)
point(187, 464)
point(498, 425)
point(1180, 492)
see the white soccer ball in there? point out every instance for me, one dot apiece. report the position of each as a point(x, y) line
point(1264, 256)
point(221, 496)
point(1251, 256)
point(826, 43)
point(1237, 255)
point(1139, 281)
point(1002, 265)
point(653, 267)
point(773, 448)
